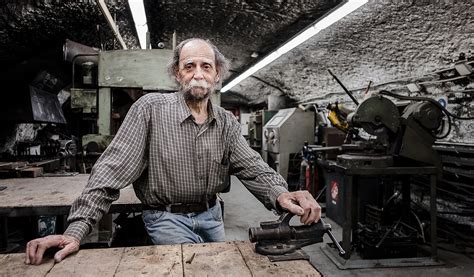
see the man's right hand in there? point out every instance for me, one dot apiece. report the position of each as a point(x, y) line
point(36, 248)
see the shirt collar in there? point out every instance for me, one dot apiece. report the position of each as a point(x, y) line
point(184, 112)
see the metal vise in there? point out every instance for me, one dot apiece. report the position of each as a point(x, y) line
point(280, 241)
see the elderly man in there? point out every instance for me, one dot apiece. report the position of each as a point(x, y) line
point(177, 150)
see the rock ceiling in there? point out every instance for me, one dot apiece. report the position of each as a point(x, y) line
point(32, 32)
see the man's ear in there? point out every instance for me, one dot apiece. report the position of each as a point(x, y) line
point(176, 75)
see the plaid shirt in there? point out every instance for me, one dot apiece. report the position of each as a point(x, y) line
point(170, 159)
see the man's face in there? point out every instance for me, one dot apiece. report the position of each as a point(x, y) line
point(197, 73)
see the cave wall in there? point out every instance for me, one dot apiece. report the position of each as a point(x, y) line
point(383, 41)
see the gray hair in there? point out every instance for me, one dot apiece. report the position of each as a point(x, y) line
point(222, 63)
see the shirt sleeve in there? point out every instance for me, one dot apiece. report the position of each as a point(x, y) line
point(256, 175)
point(120, 165)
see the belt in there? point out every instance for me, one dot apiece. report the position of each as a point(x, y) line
point(183, 208)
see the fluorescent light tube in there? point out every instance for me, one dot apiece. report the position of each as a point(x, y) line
point(139, 17)
point(325, 22)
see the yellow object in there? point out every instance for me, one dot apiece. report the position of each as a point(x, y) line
point(336, 119)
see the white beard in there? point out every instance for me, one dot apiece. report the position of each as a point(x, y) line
point(197, 90)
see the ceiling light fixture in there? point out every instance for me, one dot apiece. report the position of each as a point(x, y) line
point(338, 13)
point(139, 17)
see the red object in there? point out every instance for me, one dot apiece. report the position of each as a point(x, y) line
point(308, 178)
point(316, 180)
point(315, 183)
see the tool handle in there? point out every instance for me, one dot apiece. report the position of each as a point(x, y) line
point(339, 247)
point(344, 88)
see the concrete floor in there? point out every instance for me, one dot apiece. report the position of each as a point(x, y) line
point(243, 210)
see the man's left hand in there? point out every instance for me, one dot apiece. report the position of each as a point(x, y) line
point(301, 203)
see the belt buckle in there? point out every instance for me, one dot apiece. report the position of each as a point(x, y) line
point(169, 208)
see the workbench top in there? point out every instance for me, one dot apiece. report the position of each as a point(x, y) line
point(52, 196)
point(207, 259)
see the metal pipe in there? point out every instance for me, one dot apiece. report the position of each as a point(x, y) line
point(111, 22)
point(71, 49)
point(174, 40)
point(148, 41)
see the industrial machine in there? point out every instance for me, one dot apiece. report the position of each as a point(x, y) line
point(257, 120)
point(284, 136)
point(388, 146)
point(106, 83)
point(405, 137)
point(368, 185)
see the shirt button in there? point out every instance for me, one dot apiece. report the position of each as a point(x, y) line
point(199, 156)
point(201, 177)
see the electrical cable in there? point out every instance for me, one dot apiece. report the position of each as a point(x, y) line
point(406, 79)
point(419, 98)
point(448, 131)
point(421, 226)
point(393, 197)
point(421, 77)
point(442, 80)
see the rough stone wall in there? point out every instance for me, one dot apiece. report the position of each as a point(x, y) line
point(380, 42)
point(29, 28)
point(237, 27)
point(35, 30)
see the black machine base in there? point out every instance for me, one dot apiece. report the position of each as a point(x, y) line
point(298, 254)
point(355, 263)
point(10, 247)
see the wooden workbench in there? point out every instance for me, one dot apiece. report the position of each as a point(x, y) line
point(209, 259)
point(53, 196)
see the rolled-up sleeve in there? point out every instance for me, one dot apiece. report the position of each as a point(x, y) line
point(120, 165)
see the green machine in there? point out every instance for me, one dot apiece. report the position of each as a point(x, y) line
point(129, 69)
point(102, 79)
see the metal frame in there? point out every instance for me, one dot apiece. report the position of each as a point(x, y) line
point(351, 190)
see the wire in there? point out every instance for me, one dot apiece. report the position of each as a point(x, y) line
point(421, 77)
point(419, 98)
point(393, 197)
point(449, 128)
point(421, 226)
point(442, 80)
point(406, 79)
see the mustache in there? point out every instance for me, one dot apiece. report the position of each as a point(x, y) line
point(207, 87)
point(197, 84)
